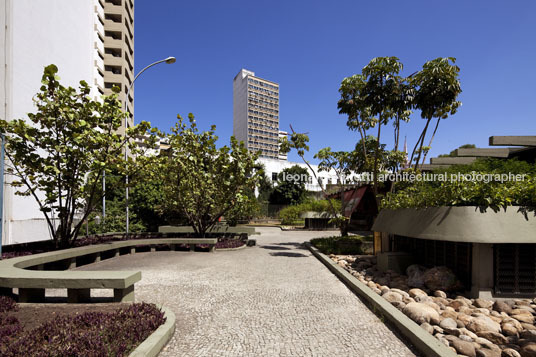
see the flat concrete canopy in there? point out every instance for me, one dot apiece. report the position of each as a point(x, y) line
point(486, 152)
point(452, 160)
point(430, 167)
point(512, 140)
point(459, 224)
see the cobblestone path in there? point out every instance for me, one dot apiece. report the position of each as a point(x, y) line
point(275, 299)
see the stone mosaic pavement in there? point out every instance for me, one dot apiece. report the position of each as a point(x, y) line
point(275, 299)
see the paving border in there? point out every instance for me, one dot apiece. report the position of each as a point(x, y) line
point(425, 343)
point(158, 339)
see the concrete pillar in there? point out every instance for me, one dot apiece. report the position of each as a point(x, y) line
point(212, 248)
point(192, 247)
point(78, 295)
point(173, 246)
point(132, 250)
point(153, 249)
point(72, 263)
point(117, 253)
point(482, 271)
point(385, 242)
point(97, 257)
point(124, 295)
point(31, 295)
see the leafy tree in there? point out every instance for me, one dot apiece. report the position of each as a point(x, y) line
point(115, 219)
point(491, 192)
point(298, 141)
point(201, 181)
point(389, 160)
point(342, 163)
point(372, 98)
point(438, 88)
point(59, 157)
point(246, 211)
point(265, 187)
point(453, 152)
point(290, 191)
point(146, 201)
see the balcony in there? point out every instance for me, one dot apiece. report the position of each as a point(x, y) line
point(114, 52)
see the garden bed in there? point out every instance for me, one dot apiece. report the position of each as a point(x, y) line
point(341, 245)
point(471, 327)
point(225, 240)
point(75, 330)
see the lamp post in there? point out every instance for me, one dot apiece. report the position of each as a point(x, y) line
point(168, 60)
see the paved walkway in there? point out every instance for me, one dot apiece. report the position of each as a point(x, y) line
point(275, 299)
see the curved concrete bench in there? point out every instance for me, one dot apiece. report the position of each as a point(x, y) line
point(216, 229)
point(28, 275)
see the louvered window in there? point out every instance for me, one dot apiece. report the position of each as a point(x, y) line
point(515, 269)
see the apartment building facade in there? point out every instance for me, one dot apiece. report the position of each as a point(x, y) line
point(76, 36)
point(256, 113)
point(119, 50)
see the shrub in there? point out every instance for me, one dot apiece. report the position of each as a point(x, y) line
point(493, 194)
point(88, 334)
point(7, 304)
point(339, 245)
point(291, 214)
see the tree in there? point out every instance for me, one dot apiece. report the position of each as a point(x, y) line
point(342, 163)
point(290, 188)
point(374, 97)
point(60, 157)
point(453, 152)
point(388, 160)
point(438, 88)
point(298, 141)
point(201, 181)
point(265, 187)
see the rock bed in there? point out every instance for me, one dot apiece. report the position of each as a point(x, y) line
point(470, 327)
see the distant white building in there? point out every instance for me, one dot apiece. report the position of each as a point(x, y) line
point(274, 166)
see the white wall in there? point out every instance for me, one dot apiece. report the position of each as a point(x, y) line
point(39, 33)
point(276, 166)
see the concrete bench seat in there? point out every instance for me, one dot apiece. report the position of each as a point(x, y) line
point(28, 274)
point(216, 229)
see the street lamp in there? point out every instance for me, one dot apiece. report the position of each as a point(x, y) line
point(168, 60)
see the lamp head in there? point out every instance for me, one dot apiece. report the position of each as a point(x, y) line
point(170, 60)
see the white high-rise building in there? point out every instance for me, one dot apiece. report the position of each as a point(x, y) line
point(79, 37)
point(256, 113)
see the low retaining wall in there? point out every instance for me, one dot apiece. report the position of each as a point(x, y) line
point(153, 344)
point(427, 344)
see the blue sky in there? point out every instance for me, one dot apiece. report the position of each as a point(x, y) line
point(308, 47)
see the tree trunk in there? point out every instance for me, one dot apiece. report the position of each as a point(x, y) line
point(363, 136)
point(375, 178)
point(422, 142)
point(431, 139)
point(415, 149)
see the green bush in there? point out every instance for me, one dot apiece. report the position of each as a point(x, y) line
point(339, 245)
point(493, 194)
point(291, 214)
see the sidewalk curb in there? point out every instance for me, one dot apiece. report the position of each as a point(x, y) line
point(153, 344)
point(425, 343)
